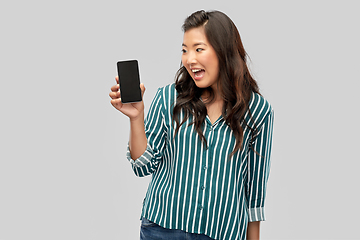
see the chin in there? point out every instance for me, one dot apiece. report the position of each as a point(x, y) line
point(199, 84)
point(202, 83)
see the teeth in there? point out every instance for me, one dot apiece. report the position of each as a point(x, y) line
point(195, 70)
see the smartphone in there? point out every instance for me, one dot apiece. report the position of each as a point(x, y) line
point(129, 80)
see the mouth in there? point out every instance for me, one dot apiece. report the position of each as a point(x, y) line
point(198, 73)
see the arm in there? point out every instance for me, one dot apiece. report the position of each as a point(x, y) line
point(258, 169)
point(147, 138)
point(253, 231)
point(138, 140)
point(135, 112)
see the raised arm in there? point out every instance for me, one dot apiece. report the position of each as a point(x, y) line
point(135, 112)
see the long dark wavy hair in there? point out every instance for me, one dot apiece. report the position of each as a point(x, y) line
point(235, 81)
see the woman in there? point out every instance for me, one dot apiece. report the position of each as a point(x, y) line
point(206, 140)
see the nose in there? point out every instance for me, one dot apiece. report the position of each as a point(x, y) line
point(191, 58)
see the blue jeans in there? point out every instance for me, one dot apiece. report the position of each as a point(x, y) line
point(152, 231)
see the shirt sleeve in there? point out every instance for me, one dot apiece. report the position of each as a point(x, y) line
point(258, 169)
point(155, 131)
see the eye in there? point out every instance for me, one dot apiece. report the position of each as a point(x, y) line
point(183, 50)
point(199, 49)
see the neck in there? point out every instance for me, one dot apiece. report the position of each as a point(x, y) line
point(208, 100)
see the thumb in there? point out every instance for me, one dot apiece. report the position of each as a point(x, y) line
point(142, 87)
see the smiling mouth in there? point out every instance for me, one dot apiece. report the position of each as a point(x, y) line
point(198, 73)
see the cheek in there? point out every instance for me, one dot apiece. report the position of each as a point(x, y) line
point(215, 64)
point(183, 60)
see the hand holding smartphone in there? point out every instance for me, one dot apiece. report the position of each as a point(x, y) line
point(129, 81)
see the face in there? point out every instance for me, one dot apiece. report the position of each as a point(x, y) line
point(199, 58)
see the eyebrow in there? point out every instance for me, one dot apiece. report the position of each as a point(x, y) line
point(196, 44)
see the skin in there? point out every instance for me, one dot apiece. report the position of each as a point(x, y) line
point(197, 54)
point(253, 231)
point(135, 112)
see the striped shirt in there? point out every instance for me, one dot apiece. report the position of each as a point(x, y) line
point(198, 188)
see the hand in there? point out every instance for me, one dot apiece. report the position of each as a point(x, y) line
point(132, 110)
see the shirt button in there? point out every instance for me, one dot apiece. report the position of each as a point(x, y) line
point(202, 187)
point(201, 207)
point(205, 167)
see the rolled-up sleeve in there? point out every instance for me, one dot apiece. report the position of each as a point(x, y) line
point(258, 169)
point(156, 132)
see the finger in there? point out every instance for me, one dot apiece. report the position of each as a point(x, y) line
point(117, 79)
point(115, 88)
point(114, 95)
point(117, 103)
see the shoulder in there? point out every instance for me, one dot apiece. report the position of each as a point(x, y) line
point(166, 95)
point(259, 108)
point(259, 104)
point(167, 89)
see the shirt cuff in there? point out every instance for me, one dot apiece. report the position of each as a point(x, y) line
point(256, 214)
point(143, 160)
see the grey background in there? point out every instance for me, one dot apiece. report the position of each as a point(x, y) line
point(63, 171)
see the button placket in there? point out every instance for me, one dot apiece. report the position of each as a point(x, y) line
point(202, 197)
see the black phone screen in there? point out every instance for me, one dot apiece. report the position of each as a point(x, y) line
point(129, 80)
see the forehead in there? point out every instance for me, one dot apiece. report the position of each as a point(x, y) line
point(194, 35)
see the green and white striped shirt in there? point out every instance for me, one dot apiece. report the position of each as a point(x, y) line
point(198, 188)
